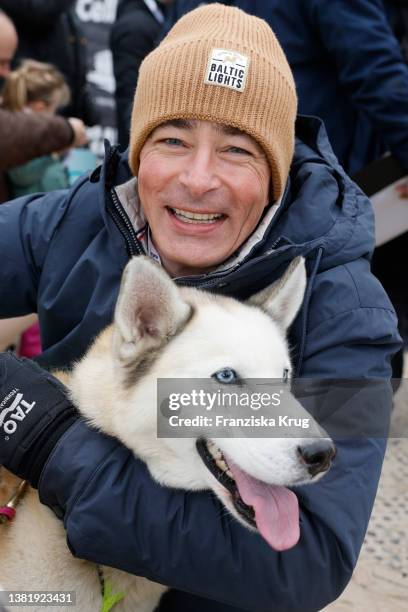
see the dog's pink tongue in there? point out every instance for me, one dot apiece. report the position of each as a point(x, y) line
point(276, 508)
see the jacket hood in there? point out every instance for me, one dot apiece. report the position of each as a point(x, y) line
point(326, 209)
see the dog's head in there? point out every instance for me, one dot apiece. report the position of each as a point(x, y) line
point(163, 331)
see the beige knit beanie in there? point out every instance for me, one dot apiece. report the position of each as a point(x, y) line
point(220, 64)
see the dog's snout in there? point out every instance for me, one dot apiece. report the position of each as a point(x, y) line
point(317, 456)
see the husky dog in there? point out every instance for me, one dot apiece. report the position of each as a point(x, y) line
point(163, 331)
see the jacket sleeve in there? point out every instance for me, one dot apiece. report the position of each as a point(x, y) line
point(27, 226)
point(24, 136)
point(37, 11)
point(360, 42)
point(115, 514)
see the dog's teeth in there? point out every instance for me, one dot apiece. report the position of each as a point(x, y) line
point(218, 458)
point(222, 465)
point(214, 451)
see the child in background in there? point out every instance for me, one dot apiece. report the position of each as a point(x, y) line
point(41, 88)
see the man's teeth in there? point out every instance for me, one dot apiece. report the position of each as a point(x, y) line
point(189, 217)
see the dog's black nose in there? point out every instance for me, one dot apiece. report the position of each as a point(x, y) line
point(317, 456)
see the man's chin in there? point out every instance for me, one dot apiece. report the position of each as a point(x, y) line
point(187, 263)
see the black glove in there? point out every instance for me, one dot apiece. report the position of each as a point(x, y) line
point(34, 413)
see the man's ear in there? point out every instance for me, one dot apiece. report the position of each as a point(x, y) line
point(283, 299)
point(149, 309)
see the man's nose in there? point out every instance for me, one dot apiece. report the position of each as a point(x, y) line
point(199, 174)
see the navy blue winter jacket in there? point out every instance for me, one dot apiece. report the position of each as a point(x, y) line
point(348, 69)
point(64, 252)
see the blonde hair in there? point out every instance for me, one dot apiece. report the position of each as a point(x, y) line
point(33, 82)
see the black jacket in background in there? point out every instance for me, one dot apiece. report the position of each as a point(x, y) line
point(133, 36)
point(49, 31)
point(398, 11)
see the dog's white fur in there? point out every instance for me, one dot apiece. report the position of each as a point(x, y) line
point(194, 334)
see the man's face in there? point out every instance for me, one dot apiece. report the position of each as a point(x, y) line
point(203, 188)
point(8, 45)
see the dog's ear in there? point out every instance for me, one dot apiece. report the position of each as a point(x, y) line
point(149, 309)
point(283, 299)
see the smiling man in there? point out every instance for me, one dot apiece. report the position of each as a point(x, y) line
point(204, 188)
point(215, 190)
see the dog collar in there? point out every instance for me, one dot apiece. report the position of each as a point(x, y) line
point(8, 512)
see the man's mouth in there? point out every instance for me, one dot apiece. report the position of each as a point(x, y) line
point(196, 218)
point(272, 509)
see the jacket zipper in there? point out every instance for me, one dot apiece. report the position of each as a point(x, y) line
point(116, 211)
point(122, 221)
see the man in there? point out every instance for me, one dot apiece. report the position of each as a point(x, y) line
point(219, 204)
point(24, 136)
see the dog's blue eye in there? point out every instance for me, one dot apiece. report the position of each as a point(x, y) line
point(285, 375)
point(226, 376)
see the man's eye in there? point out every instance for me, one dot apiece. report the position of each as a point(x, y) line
point(238, 150)
point(172, 141)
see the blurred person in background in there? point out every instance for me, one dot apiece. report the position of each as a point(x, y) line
point(134, 34)
point(49, 31)
point(35, 87)
point(40, 88)
point(24, 136)
point(349, 70)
